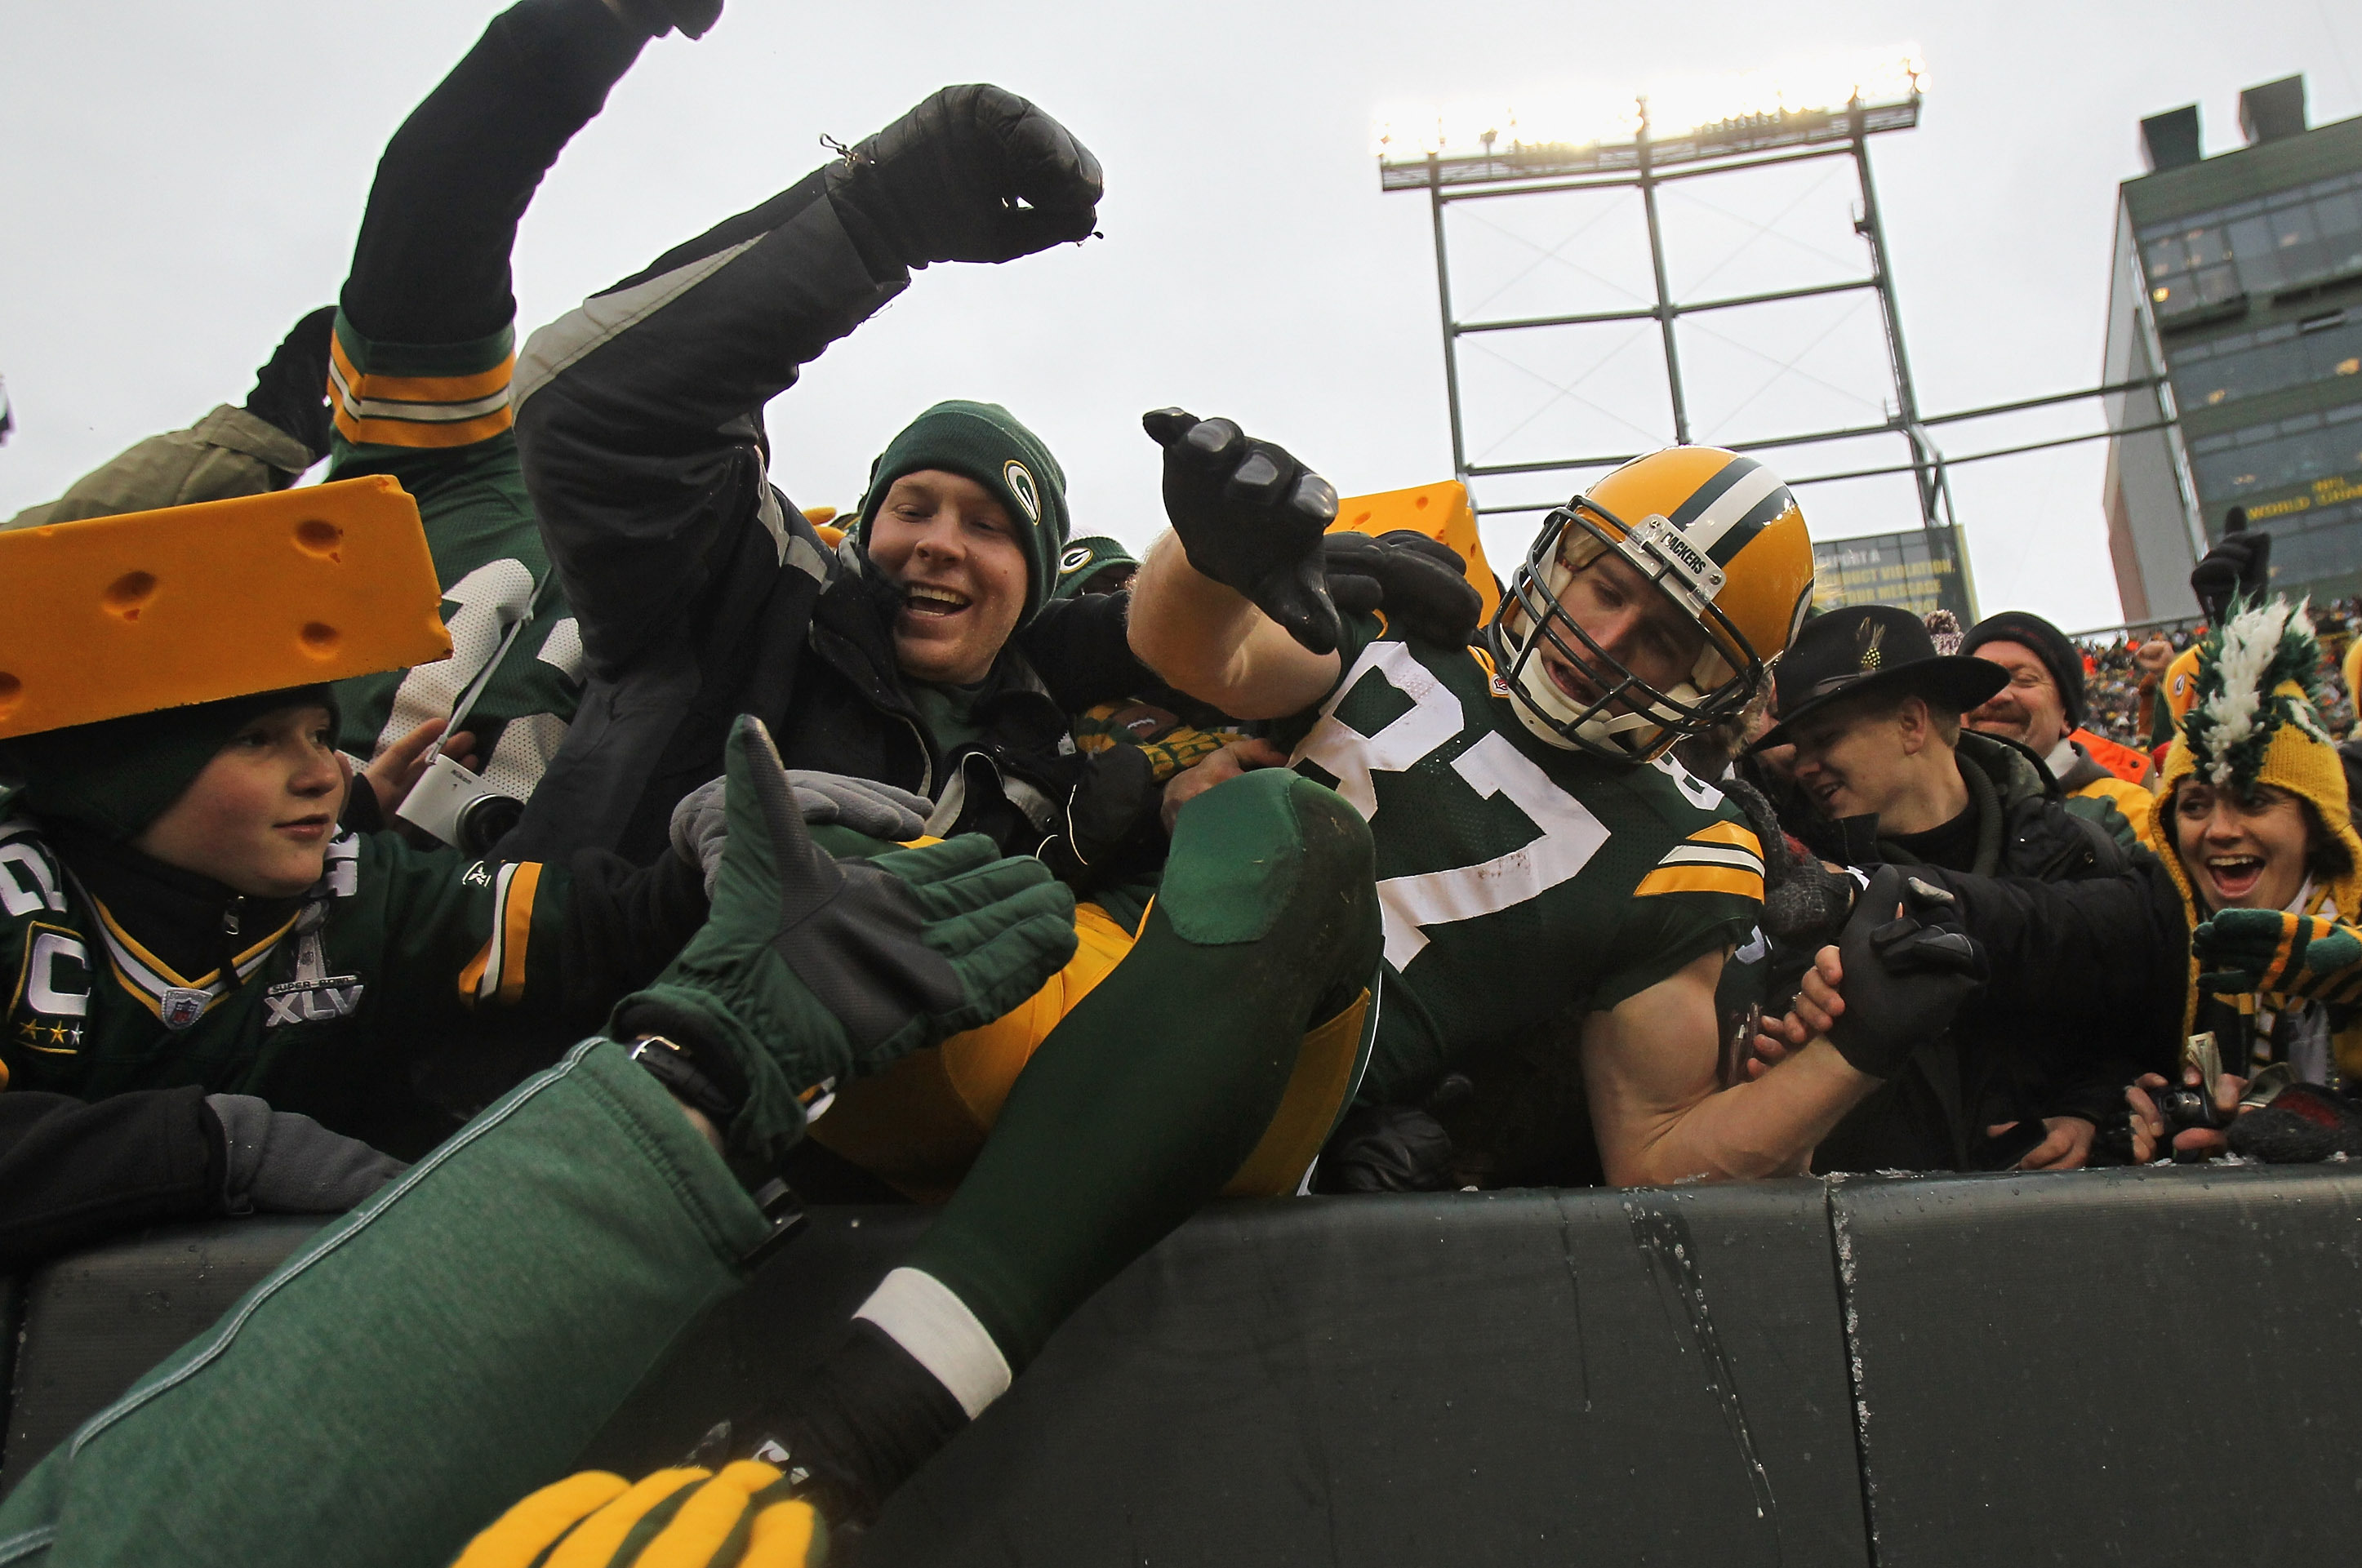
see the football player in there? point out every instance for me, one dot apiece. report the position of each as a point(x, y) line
point(1541, 856)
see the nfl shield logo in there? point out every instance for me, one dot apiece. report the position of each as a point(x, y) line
point(182, 1007)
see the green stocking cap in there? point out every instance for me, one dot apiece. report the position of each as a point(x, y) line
point(119, 775)
point(984, 442)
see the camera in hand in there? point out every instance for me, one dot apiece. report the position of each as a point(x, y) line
point(459, 808)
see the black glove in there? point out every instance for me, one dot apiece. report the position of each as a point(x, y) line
point(658, 17)
point(975, 173)
point(1252, 518)
point(291, 392)
point(2240, 567)
point(1905, 975)
point(279, 1163)
point(1420, 583)
point(1386, 1148)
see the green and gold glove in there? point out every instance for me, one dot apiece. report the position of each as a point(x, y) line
point(811, 972)
point(2308, 955)
point(741, 1517)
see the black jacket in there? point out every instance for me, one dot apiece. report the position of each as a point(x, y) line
point(702, 593)
point(74, 1174)
point(2087, 948)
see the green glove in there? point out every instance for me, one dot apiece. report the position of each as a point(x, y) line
point(810, 973)
point(2308, 956)
point(744, 1517)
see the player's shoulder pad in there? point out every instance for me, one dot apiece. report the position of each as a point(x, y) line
point(1710, 846)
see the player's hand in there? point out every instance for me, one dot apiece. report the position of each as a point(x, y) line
point(1252, 518)
point(1238, 757)
point(394, 772)
point(974, 174)
point(1420, 584)
point(1906, 968)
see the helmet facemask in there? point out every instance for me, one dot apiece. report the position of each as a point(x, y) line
point(1630, 720)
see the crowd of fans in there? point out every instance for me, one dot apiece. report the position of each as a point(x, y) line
point(545, 841)
point(2112, 665)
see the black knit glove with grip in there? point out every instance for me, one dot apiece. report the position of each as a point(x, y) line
point(975, 173)
point(291, 392)
point(1420, 584)
point(1907, 970)
point(1251, 518)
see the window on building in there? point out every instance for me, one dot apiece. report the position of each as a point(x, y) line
point(2247, 364)
point(2291, 239)
point(2237, 464)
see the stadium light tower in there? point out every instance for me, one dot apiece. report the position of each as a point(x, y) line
point(1673, 131)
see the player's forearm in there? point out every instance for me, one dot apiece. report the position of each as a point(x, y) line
point(1210, 642)
point(1766, 1128)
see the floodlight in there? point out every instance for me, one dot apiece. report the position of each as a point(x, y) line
point(1670, 109)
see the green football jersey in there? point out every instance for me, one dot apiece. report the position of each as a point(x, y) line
point(436, 418)
point(1517, 879)
point(392, 949)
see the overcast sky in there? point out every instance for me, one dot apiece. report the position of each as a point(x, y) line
point(177, 183)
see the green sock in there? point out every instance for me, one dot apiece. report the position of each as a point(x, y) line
point(1149, 1095)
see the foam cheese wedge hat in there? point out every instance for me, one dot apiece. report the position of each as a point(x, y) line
point(113, 616)
point(1438, 510)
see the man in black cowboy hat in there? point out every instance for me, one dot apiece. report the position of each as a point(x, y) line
point(2073, 924)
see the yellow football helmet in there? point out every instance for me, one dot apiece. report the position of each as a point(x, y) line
point(1718, 535)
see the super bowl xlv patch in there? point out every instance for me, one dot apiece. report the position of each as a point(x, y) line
point(314, 996)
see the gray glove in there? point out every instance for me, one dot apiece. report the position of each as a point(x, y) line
point(878, 810)
point(280, 1163)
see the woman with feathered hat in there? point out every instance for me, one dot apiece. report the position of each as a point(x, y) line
point(2251, 821)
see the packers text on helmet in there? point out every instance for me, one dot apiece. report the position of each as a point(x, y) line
point(1720, 537)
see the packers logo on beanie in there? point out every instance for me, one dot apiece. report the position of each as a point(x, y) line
point(985, 442)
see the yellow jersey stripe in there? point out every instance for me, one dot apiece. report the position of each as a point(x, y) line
point(1702, 879)
point(350, 383)
point(421, 433)
point(1729, 833)
point(516, 920)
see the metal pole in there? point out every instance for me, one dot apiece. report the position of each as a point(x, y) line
point(1451, 331)
point(1906, 400)
point(1664, 294)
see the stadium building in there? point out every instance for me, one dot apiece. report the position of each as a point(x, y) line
point(2240, 278)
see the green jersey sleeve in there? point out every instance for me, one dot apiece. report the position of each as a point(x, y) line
point(436, 418)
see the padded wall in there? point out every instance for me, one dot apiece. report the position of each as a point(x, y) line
point(2133, 1366)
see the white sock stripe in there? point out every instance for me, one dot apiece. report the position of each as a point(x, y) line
point(919, 1313)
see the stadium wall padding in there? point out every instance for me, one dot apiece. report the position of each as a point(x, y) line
point(2126, 1366)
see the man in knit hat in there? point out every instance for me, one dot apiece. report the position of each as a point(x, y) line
point(1095, 564)
point(2042, 709)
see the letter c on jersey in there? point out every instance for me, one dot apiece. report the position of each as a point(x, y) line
point(43, 990)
